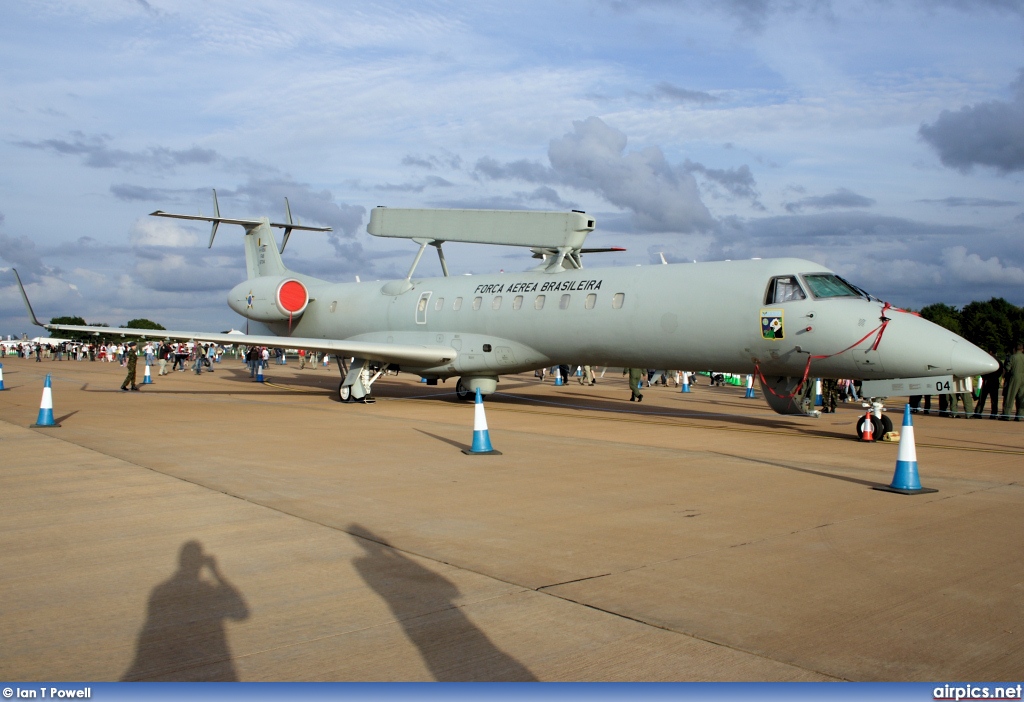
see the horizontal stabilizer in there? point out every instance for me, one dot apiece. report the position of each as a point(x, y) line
point(247, 223)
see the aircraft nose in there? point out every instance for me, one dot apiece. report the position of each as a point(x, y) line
point(968, 359)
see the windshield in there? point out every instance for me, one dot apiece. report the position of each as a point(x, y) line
point(829, 285)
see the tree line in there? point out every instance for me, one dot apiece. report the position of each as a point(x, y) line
point(84, 337)
point(996, 326)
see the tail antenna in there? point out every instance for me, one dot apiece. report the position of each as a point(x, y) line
point(287, 230)
point(216, 213)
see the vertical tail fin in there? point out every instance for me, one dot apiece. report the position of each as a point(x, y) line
point(261, 254)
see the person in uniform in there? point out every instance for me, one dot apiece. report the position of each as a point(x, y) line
point(636, 379)
point(829, 395)
point(133, 361)
point(1015, 384)
point(989, 389)
point(963, 393)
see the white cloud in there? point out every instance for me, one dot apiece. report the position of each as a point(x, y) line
point(972, 268)
point(153, 231)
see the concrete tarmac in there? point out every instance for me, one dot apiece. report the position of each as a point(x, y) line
point(213, 528)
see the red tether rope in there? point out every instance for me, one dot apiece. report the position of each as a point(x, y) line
point(879, 330)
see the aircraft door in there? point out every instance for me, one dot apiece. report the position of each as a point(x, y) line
point(421, 308)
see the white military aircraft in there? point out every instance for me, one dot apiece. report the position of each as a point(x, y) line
point(784, 320)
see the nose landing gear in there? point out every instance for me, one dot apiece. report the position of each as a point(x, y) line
point(880, 423)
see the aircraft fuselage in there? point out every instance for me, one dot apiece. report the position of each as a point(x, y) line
point(680, 316)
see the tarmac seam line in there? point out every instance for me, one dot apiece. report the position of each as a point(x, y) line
point(691, 635)
point(577, 580)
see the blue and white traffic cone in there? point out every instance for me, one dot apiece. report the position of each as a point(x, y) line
point(481, 436)
point(686, 382)
point(558, 377)
point(1, 376)
point(750, 388)
point(905, 480)
point(819, 401)
point(46, 407)
point(147, 379)
point(259, 372)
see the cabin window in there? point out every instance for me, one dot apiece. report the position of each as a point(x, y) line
point(496, 302)
point(538, 304)
point(439, 304)
point(517, 302)
point(783, 288)
point(617, 300)
point(334, 306)
point(591, 301)
point(828, 285)
point(457, 305)
point(477, 301)
point(563, 303)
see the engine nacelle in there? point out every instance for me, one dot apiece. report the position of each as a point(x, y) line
point(779, 392)
point(270, 299)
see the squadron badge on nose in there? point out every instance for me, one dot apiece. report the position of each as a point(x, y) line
point(771, 325)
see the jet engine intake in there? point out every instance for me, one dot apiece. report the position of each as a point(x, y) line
point(270, 299)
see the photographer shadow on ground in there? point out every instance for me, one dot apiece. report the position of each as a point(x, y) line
point(184, 637)
point(422, 601)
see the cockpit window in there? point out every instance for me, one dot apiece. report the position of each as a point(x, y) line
point(829, 285)
point(784, 288)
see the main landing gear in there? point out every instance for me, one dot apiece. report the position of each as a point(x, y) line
point(357, 380)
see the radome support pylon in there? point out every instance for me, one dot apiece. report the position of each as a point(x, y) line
point(686, 382)
point(147, 379)
point(1, 376)
point(45, 418)
point(481, 436)
point(750, 388)
point(905, 480)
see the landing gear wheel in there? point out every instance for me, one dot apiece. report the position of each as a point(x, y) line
point(461, 391)
point(344, 392)
point(886, 425)
point(876, 427)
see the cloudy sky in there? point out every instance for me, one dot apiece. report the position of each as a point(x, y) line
point(881, 138)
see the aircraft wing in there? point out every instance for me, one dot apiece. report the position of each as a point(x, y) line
point(407, 354)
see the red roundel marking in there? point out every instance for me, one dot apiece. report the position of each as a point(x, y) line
point(292, 296)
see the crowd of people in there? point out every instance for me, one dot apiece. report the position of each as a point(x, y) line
point(967, 398)
point(972, 394)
